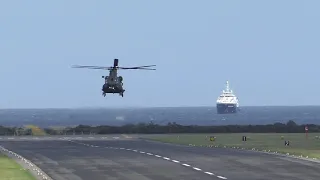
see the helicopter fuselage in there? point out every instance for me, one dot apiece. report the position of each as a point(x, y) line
point(113, 83)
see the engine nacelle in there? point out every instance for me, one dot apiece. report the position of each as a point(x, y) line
point(120, 78)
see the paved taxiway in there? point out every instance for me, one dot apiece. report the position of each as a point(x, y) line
point(82, 158)
point(63, 137)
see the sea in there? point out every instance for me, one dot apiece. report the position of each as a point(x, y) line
point(161, 115)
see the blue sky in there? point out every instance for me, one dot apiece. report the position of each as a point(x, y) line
point(268, 50)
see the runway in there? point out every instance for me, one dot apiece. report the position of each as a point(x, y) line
point(121, 158)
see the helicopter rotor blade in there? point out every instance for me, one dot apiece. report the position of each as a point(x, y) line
point(145, 66)
point(110, 68)
point(139, 67)
point(91, 67)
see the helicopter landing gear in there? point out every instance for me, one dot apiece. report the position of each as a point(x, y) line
point(103, 94)
point(121, 94)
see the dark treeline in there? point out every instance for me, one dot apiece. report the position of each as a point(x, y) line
point(151, 128)
point(14, 131)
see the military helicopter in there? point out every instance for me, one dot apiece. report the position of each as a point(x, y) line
point(113, 83)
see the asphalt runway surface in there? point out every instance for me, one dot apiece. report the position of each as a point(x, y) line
point(122, 158)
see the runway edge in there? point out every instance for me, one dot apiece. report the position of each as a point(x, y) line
point(255, 150)
point(25, 163)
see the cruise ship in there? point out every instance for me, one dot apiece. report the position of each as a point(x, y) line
point(227, 102)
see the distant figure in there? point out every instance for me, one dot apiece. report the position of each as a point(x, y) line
point(286, 143)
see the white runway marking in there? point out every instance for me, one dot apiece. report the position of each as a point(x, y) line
point(197, 169)
point(221, 177)
point(209, 173)
point(150, 154)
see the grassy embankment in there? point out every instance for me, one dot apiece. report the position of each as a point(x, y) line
point(36, 131)
point(10, 170)
point(299, 144)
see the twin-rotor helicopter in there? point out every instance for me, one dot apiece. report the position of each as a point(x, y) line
point(114, 83)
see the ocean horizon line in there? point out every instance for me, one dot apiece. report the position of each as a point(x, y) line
point(153, 107)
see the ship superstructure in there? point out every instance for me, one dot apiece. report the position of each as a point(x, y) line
point(227, 102)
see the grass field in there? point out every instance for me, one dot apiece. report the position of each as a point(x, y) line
point(36, 131)
point(10, 170)
point(299, 144)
